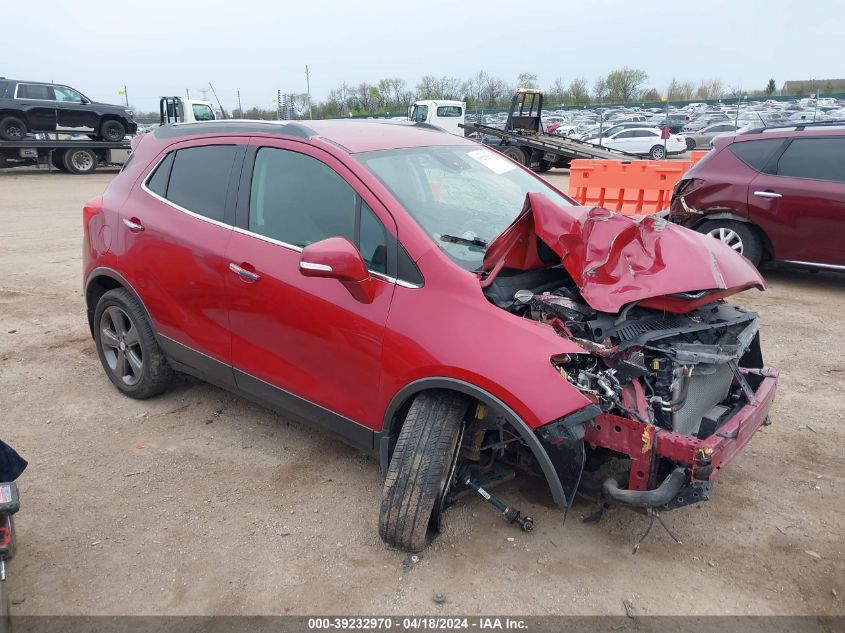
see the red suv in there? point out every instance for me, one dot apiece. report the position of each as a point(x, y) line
point(432, 303)
point(776, 194)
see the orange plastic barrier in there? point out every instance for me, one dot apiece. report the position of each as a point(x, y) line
point(697, 154)
point(630, 188)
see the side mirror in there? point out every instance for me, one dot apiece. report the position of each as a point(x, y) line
point(337, 258)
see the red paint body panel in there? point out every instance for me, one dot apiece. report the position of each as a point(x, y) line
point(313, 338)
point(616, 259)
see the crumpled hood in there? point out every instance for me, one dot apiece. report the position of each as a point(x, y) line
point(616, 259)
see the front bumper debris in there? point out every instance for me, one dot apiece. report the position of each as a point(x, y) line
point(701, 460)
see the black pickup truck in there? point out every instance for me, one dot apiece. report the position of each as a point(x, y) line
point(32, 106)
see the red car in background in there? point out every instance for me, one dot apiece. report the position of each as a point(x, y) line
point(776, 194)
point(432, 303)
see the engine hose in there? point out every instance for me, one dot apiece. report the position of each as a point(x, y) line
point(661, 495)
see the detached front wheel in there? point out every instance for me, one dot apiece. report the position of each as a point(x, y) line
point(420, 469)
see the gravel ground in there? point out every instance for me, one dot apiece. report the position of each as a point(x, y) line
point(199, 502)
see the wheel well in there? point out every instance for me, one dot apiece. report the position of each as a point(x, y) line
point(398, 409)
point(15, 113)
point(113, 117)
point(729, 214)
point(96, 288)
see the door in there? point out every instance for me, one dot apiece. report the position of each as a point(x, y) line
point(299, 343)
point(800, 203)
point(175, 228)
point(620, 140)
point(73, 111)
point(37, 101)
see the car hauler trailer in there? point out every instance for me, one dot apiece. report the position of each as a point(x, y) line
point(76, 156)
point(524, 140)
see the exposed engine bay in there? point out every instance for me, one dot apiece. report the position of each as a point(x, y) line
point(664, 387)
point(672, 376)
point(671, 370)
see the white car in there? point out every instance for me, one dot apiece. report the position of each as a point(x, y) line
point(644, 142)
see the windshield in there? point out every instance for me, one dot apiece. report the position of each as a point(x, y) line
point(459, 191)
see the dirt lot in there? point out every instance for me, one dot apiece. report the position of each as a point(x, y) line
point(199, 502)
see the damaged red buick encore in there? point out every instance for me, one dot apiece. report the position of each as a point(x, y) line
point(432, 303)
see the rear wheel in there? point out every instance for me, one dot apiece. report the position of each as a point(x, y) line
point(690, 144)
point(657, 153)
point(80, 161)
point(545, 165)
point(57, 159)
point(128, 348)
point(740, 236)
point(420, 469)
point(516, 154)
point(12, 129)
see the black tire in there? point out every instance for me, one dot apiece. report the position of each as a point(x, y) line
point(79, 161)
point(112, 130)
point(516, 154)
point(545, 166)
point(419, 469)
point(658, 152)
point(690, 144)
point(12, 129)
point(749, 240)
point(127, 346)
point(5, 617)
point(57, 159)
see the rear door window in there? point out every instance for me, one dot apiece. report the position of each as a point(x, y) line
point(756, 154)
point(814, 158)
point(196, 179)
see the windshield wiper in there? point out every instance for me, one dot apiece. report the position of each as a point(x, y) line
point(475, 241)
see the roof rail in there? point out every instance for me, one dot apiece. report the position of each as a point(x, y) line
point(235, 126)
point(798, 127)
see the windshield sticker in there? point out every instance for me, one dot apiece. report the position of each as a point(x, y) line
point(491, 161)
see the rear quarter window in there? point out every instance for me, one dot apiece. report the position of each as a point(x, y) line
point(196, 179)
point(756, 153)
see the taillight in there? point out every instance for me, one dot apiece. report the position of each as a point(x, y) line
point(91, 208)
point(680, 139)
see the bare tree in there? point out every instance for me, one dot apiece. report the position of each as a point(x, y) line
point(557, 93)
point(578, 93)
point(680, 90)
point(600, 89)
point(527, 80)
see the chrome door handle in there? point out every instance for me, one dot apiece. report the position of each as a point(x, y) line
point(135, 227)
point(243, 273)
point(767, 194)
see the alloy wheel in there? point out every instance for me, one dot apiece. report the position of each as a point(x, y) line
point(727, 236)
point(121, 346)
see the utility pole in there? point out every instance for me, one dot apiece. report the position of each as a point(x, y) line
point(308, 89)
point(240, 107)
point(126, 94)
point(187, 94)
point(278, 105)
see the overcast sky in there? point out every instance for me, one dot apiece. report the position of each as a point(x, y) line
point(159, 47)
